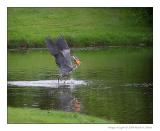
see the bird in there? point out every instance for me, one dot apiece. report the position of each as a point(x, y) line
point(63, 58)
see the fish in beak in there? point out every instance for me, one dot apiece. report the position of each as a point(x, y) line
point(76, 61)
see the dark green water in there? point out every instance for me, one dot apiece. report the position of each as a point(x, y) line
point(119, 83)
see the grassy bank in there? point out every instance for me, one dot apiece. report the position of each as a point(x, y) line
point(80, 26)
point(29, 115)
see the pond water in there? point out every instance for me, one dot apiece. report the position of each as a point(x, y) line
point(110, 83)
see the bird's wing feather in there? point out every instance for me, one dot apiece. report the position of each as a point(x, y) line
point(67, 57)
point(62, 44)
point(51, 46)
point(61, 52)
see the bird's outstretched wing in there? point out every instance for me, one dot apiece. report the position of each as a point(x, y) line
point(61, 43)
point(60, 50)
point(51, 46)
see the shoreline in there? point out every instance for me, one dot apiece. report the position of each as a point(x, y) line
point(82, 48)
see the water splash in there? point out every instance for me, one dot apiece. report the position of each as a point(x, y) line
point(48, 83)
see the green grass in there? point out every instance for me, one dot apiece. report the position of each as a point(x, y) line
point(80, 26)
point(29, 115)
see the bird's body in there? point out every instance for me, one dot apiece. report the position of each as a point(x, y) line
point(61, 51)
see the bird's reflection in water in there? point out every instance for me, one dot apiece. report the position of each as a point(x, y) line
point(67, 102)
point(76, 105)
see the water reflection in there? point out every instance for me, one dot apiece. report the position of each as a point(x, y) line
point(76, 105)
point(67, 102)
point(61, 98)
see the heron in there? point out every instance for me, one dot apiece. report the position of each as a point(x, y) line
point(63, 58)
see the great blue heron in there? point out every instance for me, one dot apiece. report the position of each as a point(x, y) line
point(61, 51)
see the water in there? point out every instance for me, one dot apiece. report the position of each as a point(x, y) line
point(112, 83)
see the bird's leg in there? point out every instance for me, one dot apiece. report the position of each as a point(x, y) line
point(64, 81)
point(58, 80)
